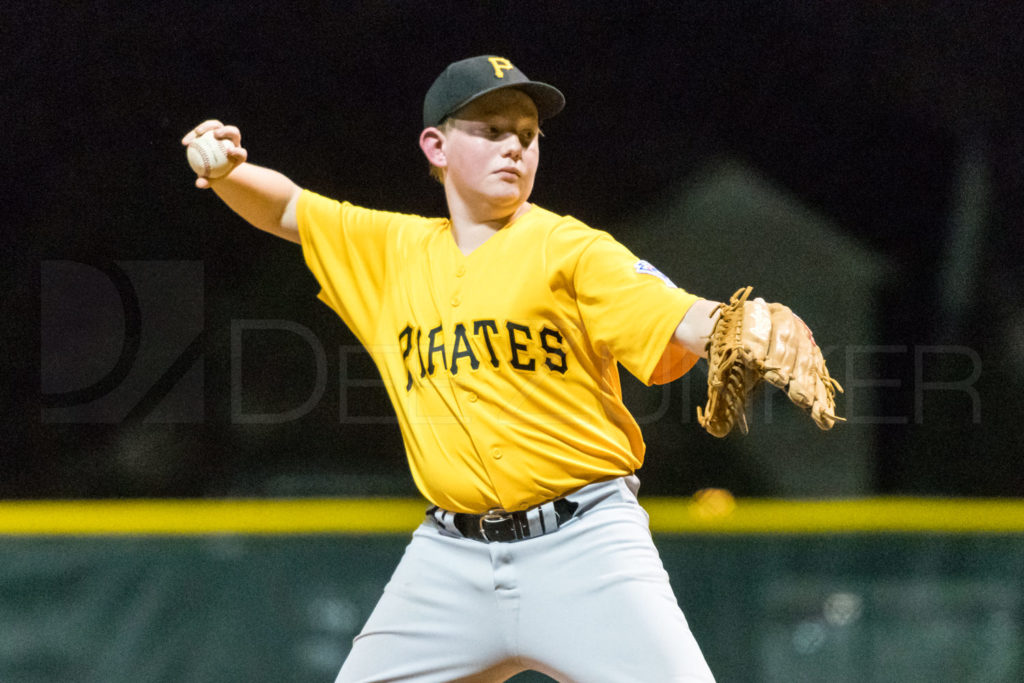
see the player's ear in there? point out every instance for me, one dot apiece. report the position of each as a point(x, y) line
point(432, 143)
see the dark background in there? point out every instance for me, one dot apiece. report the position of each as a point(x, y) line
point(871, 113)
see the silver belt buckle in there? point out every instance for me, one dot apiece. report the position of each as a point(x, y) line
point(493, 515)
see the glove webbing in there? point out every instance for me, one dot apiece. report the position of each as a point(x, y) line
point(729, 381)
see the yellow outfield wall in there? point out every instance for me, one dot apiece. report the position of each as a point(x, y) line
point(709, 512)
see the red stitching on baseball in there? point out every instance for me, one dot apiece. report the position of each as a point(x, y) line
point(206, 161)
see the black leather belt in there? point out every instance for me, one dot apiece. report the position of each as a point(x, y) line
point(499, 526)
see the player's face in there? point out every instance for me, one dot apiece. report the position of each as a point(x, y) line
point(492, 149)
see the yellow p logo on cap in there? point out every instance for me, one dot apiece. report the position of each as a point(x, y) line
point(501, 65)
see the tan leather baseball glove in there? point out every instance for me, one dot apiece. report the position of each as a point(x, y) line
point(753, 341)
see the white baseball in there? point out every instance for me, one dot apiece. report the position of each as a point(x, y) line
point(208, 156)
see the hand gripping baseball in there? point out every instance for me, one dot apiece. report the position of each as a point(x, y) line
point(223, 150)
point(754, 340)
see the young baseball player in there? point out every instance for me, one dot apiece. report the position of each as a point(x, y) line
point(497, 331)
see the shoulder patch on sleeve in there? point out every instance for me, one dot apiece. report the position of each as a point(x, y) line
point(647, 268)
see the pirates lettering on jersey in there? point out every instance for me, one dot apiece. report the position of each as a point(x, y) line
point(478, 343)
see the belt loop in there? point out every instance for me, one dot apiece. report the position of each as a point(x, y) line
point(535, 521)
point(548, 517)
point(444, 518)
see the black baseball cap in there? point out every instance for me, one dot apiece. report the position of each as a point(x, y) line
point(464, 81)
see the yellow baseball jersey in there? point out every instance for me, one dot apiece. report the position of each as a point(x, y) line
point(501, 365)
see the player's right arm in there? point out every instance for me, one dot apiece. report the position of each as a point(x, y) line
point(263, 197)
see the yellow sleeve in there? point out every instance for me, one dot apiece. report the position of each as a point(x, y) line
point(631, 311)
point(345, 248)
